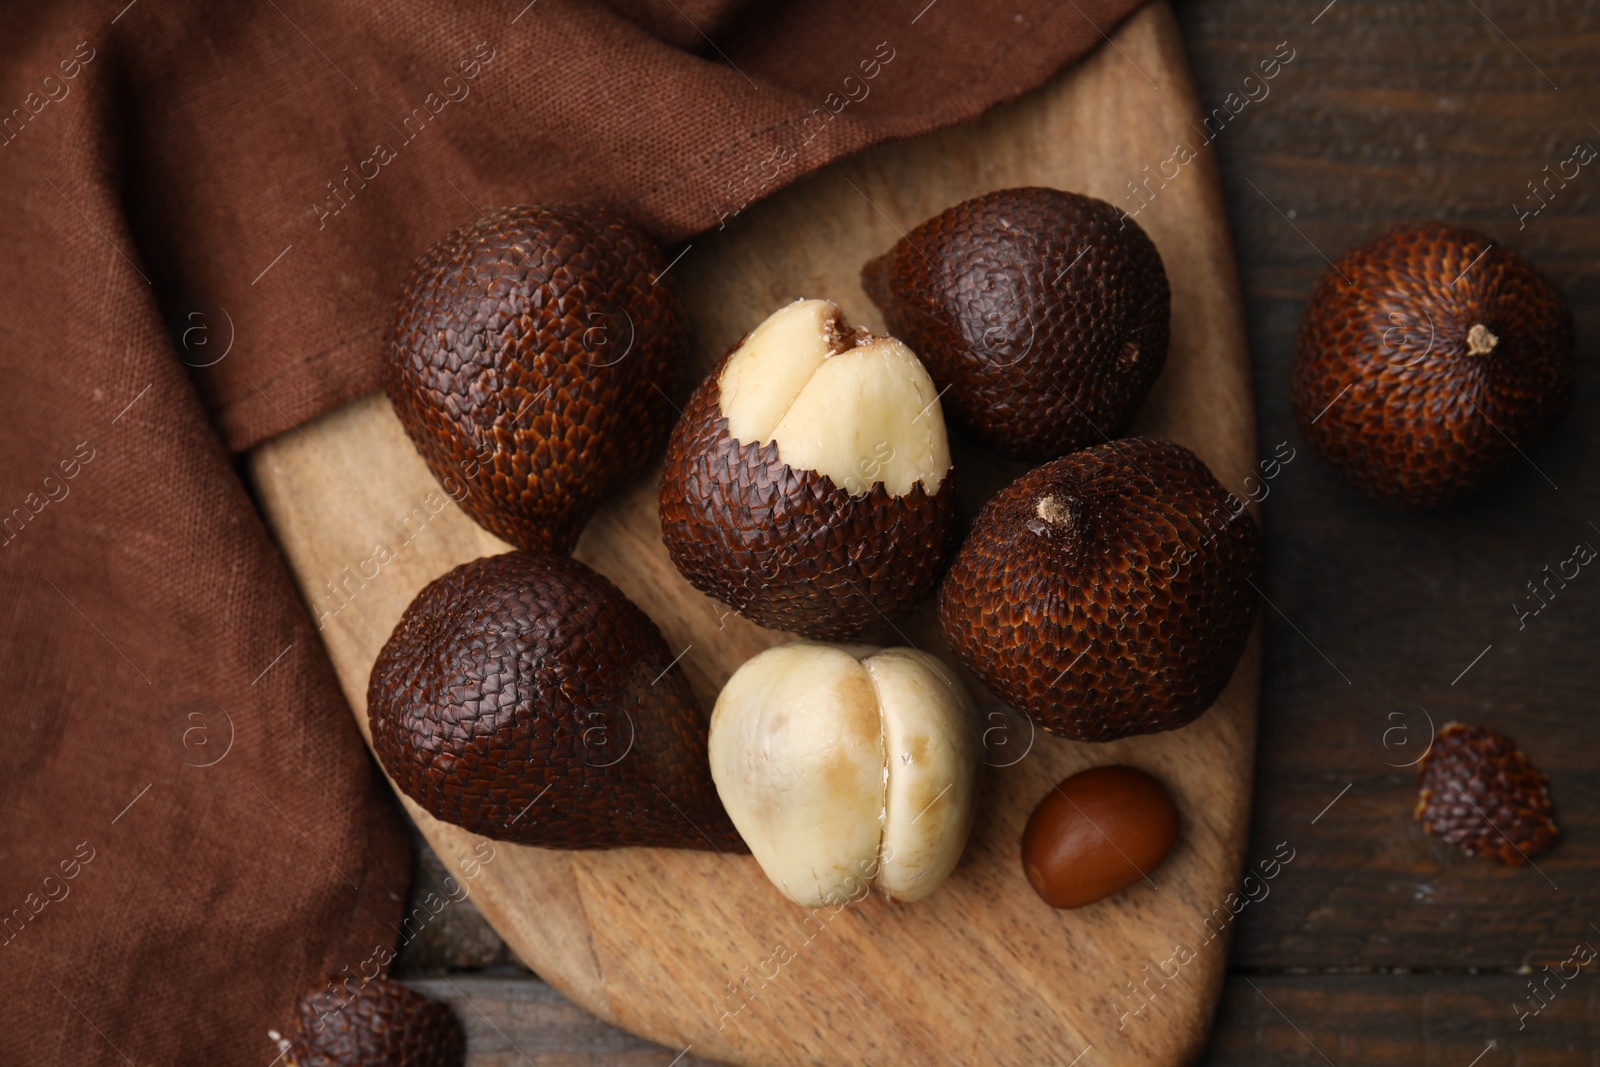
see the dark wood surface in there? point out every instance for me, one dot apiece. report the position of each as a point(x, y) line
point(1378, 944)
point(1388, 113)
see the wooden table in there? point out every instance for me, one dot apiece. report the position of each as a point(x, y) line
point(1377, 945)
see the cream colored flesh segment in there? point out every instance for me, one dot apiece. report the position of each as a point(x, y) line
point(932, 749)
point(869, 414)
point(797, 756)
point(764, 375)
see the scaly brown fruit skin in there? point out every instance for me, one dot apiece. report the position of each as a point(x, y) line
point(788, 548)
point(1426, 359)
point(534, 358)
point(377, 1023)
point(1107, 593)
point(515, 673)
point(1044, 313)
point(1478, 792)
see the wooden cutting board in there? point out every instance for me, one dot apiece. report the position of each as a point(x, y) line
point(695, 949)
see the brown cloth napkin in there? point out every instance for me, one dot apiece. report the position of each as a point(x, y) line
point(207, 211)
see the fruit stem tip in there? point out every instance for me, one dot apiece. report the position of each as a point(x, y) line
point(1480, 342)
point(1055, 515)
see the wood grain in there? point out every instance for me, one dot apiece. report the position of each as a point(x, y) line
point(1392, 113)
point(663, 942)
point(1266, 1021)
point(522, 1022)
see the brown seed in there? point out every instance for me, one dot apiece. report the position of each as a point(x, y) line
point(1096, 833)
point(1427, 360)
point(524, 698)
point(378, 1023)
point(1479, 792)
point(1045, 314)
point(1107, 593)
point(534, 358)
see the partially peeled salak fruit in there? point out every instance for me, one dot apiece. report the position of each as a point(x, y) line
point(808, 484)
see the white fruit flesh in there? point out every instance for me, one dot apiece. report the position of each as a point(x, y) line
point(767, 371)
point(797, 756)
point(933, 764)
point(858, 409)
point(843, 766)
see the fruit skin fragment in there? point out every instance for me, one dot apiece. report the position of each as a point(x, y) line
point(845, 767)
point(374, 1023)
point(1480, 793)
